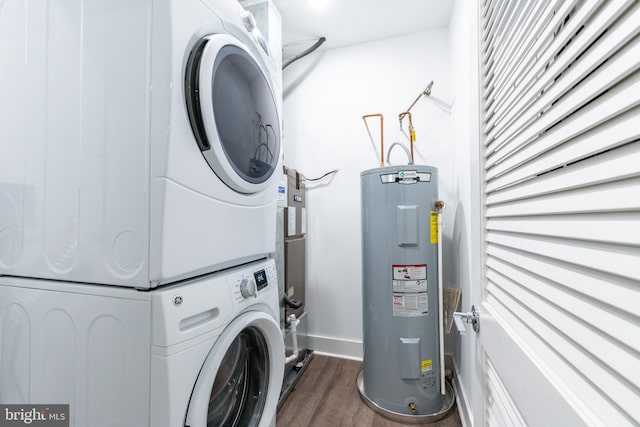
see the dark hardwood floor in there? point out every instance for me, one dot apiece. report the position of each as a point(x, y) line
point(327, 396)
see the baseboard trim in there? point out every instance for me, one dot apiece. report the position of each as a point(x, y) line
point(464, 408)
point(336, 347)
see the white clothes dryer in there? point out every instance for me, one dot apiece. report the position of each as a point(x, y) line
point(206, 352)
point(139, 140)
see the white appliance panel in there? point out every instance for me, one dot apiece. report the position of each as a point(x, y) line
point(74, 161)
point(211, 313)
point(67, 344)
point(120, 356)
point(85, 162)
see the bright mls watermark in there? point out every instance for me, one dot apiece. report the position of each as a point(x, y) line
point(34, 415)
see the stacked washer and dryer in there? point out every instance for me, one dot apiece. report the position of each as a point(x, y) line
point(138, 144)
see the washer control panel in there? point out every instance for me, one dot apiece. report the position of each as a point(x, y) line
point(209, 303)
point(253, 283)
point(270, 271)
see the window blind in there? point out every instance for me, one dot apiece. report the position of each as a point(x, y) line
point(561, 143)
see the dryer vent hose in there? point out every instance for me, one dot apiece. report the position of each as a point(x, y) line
point(293, 59)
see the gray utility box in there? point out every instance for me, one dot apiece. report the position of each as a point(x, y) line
point(295, 229)
point(401, 365)
point(291, 261)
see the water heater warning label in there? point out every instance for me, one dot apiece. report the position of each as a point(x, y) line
point(410, 272)
point(409, 284)
point(410, 305)
point(433, 220)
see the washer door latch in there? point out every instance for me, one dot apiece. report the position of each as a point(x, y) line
point(248, 20)
point(472, 317)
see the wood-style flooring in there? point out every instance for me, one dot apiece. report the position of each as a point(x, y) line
point(327, 396)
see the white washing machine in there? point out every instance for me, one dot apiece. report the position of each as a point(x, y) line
point(139, 140)
point(206, 352)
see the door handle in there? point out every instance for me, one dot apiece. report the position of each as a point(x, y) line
point(472, 317)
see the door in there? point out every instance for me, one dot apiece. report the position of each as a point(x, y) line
point(561, 147)
point(233, 112)
point(240, 381)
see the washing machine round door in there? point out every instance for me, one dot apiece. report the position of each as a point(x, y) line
point(240, 381)
point(233, 112)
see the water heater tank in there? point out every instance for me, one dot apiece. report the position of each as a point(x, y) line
point(400, 375)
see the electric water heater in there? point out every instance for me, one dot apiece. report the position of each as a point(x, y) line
point(400, 375)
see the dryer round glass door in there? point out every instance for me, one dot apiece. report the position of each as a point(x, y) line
point(233, 112)
point(240, 381)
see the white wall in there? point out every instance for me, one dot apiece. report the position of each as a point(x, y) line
point(325, 96)
point(466, 245)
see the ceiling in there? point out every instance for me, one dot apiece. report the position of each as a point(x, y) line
point(347, 22)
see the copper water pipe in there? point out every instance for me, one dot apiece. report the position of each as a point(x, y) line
point(381, 133)
point(425, 92)
point(412, 131)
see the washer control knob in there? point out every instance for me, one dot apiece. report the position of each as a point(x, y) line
point(247, 287)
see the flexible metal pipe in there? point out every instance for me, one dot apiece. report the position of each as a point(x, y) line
point(409, 156)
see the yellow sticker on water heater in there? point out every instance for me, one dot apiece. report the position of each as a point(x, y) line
point(427, 365)
point(434, 227)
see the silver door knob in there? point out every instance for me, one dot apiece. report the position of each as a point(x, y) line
point(472, 317)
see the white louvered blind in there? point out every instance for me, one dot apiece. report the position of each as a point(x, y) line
point(501, 410)
point(561, 134)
